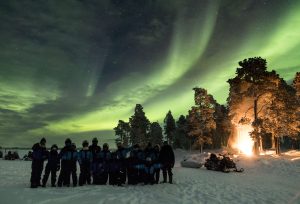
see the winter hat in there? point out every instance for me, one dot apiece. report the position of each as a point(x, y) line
point(54, 147)
point(105, 145)
point(43, 141)
point(95, 140)
point(68, 141)
point(85, 143)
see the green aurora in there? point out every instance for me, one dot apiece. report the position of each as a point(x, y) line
point(74, 68)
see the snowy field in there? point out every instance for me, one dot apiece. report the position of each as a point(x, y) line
point(266, 179)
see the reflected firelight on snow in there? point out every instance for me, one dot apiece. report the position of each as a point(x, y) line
point(244, 143)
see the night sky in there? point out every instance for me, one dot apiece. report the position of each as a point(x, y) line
point(73, 68)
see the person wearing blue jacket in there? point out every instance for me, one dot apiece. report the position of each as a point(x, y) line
point(85, 158)
point(121, 157)
point(74, 159)
point(103, 168)
point(136, 167)
point(149, 168)
point(52, 166)
point(115, 166)
point(156, 163)
point(39, 155)
point(67, 156)
point(95, 149)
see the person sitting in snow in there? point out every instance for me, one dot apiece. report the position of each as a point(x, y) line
point(95, 149)
point(52, 166)
point(39, 155)
point(85, 158)
point(66, 155)
point(167, 159)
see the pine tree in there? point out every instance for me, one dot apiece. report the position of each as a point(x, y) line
point(201, 118)
point(122, 131)
point(223, 126)
point(169, 127)
point(181, 139)
point(139, 126)
point(263, 100)
point(155, 134)
point(296, 84)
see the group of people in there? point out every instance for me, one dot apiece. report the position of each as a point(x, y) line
point(100, 165)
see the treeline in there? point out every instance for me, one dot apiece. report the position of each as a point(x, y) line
point(257, 98)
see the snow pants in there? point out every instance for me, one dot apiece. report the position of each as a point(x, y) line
point(85, 175)
point(36, 172)
point(50, 169)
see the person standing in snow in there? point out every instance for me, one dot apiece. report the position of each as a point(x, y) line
point(114, 170)
point(121, 156)
point(95, 150)
point(74, 159)
point(167, 159)
point(66, 164)
point(156, 163)
point(104, 161)
point(85, 159)
point(149, 168)
point(52, 166)
point(39, 155)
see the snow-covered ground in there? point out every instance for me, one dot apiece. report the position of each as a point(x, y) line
point(266, 179)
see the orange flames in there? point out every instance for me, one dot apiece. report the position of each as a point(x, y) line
point(244, 143)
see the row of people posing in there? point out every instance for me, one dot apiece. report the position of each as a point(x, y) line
point(133, 165)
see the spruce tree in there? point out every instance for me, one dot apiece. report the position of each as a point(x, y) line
point(181, 139)
point(122, 131)
point(169, 127)
point(155, 134)
point(139, 126)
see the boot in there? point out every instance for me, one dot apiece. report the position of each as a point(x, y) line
point(165, 177)
point(33, 185)
point(170, 179)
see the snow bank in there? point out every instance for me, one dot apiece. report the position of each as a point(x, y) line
point(194, 160)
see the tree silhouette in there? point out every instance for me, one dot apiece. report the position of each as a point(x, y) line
point(139, 126)
point(155, 134)
point(181, 139)
point(201, 118)
point(169, 127)
point(122, 131)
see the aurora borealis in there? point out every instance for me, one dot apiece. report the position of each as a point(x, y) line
point(73, 68)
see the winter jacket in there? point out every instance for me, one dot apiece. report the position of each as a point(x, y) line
point(68, 154)
point(53, 159)
point(167, 156)
point(39, 153)
point(85, 156)
point(95, 149)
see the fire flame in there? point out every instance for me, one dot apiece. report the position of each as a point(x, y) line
point(244, 142)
